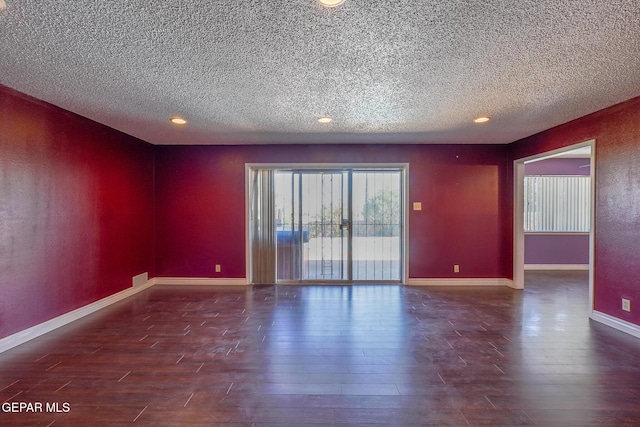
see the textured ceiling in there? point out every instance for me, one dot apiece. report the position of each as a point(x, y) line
point(259, 71)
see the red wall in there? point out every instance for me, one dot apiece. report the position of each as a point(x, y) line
point(76, 211)
point(617, 205)
point(464, 191)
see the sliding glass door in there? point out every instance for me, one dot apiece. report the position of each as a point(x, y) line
point(329, 225)
point(312, 211)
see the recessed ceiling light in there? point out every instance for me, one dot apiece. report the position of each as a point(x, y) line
point(178, 120)
point(330, 3)
point(481, 119)
point(324, 119)
point(2, 4)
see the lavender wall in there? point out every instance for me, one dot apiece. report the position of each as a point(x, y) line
point(558, 249)
point(559, 166)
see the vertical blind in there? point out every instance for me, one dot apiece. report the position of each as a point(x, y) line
point(557, 203)
point(263, 227)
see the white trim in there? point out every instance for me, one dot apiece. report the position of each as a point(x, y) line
point(460, 282)
point(616, 323)
point(405, 229)
point(325, 166)
point(518, 224)
point(592, 233)
point(247, 221)
point(199, 281)
point(518, 212)
point(563, 267)
point(62, 320)
point(401, 166)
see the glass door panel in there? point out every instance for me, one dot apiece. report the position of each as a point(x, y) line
point(377, 225)
point(312, 225)
point(324, 212)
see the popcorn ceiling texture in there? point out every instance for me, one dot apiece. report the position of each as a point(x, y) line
point(259, 71)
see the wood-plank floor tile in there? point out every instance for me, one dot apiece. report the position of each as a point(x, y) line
point(371, 355)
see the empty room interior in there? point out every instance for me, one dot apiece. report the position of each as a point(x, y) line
point(319, 213)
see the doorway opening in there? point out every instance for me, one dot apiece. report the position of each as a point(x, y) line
point(328, 224)
point(555, 208)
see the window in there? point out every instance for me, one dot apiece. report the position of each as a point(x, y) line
point(557, 203)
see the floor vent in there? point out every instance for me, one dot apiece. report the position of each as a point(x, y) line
point(140, 279)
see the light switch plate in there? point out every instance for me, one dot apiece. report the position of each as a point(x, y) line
point(417, 206)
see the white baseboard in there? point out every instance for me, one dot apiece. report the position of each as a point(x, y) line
point(460, 282)
point(199, 281)
point(556, 266)
point(64, 319)
point(616, 323)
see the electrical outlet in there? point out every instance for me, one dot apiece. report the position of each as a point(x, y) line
point(456, 268)
point(626, 304)
point(217, 268)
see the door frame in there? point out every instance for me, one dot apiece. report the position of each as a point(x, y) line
point(518, 213)
point(402, 167)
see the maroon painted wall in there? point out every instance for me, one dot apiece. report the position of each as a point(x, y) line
point(76, 211)
point(464, 190)
point(617, 205)
point(545, 248)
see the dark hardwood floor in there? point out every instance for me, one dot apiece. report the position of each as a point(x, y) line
point(333, 355)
